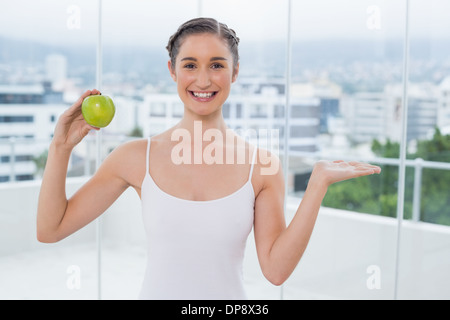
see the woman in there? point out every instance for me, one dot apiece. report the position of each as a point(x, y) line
point(197, 214)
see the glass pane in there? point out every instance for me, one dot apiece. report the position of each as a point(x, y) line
point(424, 254)
point(256, 102)
point(136, 77)
point(47, 58)
point(346, 62)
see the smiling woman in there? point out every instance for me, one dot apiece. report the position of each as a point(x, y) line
point(203, 71)
point(197, 216)
point(347, 55)
point(204, 55)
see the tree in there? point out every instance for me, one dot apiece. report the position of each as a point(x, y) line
point(377, 194)
point(435, 192)
point(40, 162)
point(136, 132)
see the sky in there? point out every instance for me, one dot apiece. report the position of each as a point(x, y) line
point(151, 22)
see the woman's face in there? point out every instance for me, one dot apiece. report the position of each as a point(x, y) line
point(204, 72)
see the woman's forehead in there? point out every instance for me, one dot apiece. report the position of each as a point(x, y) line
point(203, 44)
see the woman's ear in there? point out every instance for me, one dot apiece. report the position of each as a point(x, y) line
point(172, 71)
point(235, 73)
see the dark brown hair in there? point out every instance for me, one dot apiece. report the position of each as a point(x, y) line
point(203, 25)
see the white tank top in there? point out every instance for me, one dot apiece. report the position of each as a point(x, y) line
point(195, 248)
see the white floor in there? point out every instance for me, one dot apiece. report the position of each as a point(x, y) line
point(53, 272)
point(47, 274)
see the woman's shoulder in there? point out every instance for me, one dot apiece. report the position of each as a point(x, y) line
point(127, 154)
point(127, 162)
point(137, 148)
point(268, 166)
point(131, 147)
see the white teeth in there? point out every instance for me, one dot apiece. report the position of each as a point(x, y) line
point(203, 94)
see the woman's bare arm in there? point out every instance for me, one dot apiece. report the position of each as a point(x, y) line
point(280, 248)
point(57, 216)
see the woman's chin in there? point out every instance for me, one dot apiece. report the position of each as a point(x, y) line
point(204, 112)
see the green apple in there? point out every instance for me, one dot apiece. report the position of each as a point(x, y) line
point(98, 110)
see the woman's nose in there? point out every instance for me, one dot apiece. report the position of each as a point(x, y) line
point(203, 79)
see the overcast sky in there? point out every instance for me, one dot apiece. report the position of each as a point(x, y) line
point(153, 21)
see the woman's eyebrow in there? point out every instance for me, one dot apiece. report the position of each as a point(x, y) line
point(189, 58)
point(195, 59)
point(217, 58)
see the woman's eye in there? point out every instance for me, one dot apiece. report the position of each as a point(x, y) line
point(217, 66)
point(189, 66)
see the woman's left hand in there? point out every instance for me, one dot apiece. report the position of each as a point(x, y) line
point(329, 172)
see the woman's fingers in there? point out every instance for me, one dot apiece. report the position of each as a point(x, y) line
point(75, 109)
point(71, 128)
point(333, 171)
point(366, 169)
point(77, 104)
point(85, 130)
point(359, 165)
point(367, 166)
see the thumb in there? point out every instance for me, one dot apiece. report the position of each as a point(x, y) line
point(85, 130)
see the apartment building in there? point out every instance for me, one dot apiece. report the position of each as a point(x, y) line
point(444, 105)
point(28, 114)
point(377, 115)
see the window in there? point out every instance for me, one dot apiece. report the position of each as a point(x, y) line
point(427, 186)
point(16, 119)
point(135, 73)
point(158, 109)
point(46, 48)
point(346, 55)
point(25, 157)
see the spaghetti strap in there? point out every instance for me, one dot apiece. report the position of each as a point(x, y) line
point(147, 157)
point(253, 163)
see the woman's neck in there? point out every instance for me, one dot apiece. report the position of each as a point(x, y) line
point(192, 122)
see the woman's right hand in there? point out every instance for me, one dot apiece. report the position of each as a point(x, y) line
point(71, 127)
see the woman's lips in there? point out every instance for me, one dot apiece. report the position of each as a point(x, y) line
point(203, 96)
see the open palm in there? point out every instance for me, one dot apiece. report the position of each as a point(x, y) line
point(330, 172)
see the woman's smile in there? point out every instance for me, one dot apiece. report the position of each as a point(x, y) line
point(203, 96)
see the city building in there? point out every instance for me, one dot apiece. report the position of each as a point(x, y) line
point(56, 70)
point(367, 115)
point(327, 92)
point(377, 115)
point(443, 118)
point(27, 122)
point(422, 110)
